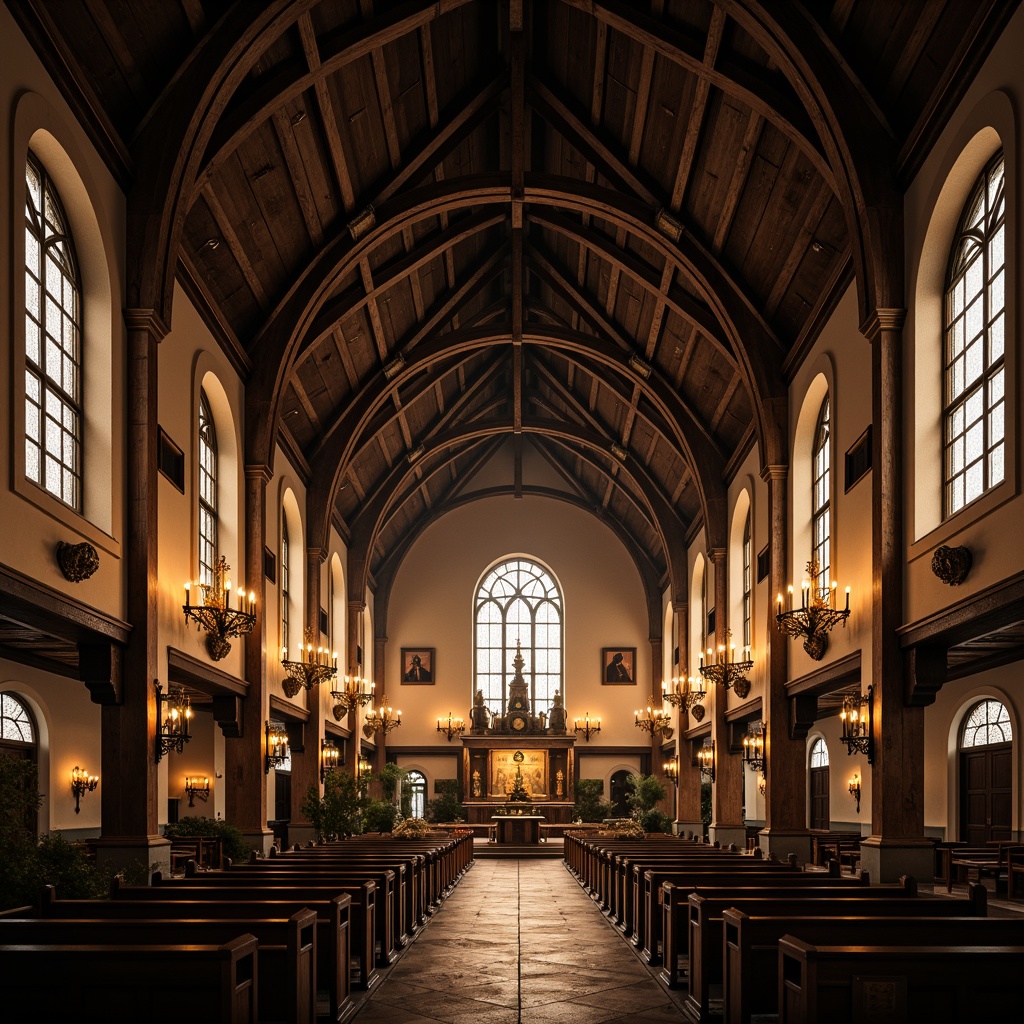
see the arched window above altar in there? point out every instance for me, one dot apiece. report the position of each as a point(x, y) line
point(519, 603)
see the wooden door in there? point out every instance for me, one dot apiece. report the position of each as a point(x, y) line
point(819, 799)
point(618, 793)
point(986, 786)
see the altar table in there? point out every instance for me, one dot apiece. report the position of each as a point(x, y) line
point(518, 828)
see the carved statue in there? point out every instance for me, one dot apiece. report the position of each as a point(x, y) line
point(556, 720)
point(479, 715)
point(559, 783)
point(476, 782)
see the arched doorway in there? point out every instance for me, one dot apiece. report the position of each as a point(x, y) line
point(18, 740)
point(617, 788)
point(417, 783)
point(986, 774)
point(820, 811)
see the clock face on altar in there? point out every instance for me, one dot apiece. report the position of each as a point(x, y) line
point(518, 723)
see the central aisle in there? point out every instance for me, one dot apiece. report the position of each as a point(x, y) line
point(518, 942)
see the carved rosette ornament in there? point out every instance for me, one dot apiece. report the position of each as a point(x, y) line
point(951, 565)
point(697, 712)
point(77, 561)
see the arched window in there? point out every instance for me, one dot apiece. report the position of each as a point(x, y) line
point(284, 581)
point(207, 491)
point(53, 343)
point(518, 601)
point(417, 793)
point(821, 504)
point(819, 754)
point(987, 723)
point(747, 583)
point(15, 721)
point(973, 383)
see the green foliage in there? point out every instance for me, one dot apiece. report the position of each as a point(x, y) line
point(655, 820)
point(390, 777)
point(590, 805)
point(338, 814)
point(379, 816)
point(518, 794)
point(407, 798)
point(232, 841)
point(446, 806)
point(645, 793)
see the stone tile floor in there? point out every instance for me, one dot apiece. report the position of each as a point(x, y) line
point(518, 942)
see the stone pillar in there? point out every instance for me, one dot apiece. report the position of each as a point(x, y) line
point(785, 829)
point(129, 823)
point(356, 608)
point(897, 844)
point(727, 790)
point(246, 781)
point(688, 819)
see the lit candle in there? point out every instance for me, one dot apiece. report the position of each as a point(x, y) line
point(188, 592)
point(847, 598)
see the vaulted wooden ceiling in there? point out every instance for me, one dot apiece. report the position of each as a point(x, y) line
point(586, 231)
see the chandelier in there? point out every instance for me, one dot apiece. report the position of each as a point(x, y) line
point(817, 614)
point(355, 692)
point(857, 727)
point(276, 746)
point(172, 729)
point(726, 670)
point(215, 616)
point(706, 760)
point(382, 718)
point(311, 668)
point(753, 748)
point(451, 726)
point(653, 720)
point(670, 769)
point(686, 693)
point(330, 757)
point(587, 726)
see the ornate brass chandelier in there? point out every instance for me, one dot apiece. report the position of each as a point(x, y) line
point(817, 615)
point(354, 693)
point(450, 726)
point(686, 693)
point(383, 718)
point(587, 726)
point(173, 717)
point(653, 720)
point(858, 727)
point(310, 669)
point(215, 616)
point(726, 670)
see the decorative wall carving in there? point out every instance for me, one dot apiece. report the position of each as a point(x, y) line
point(952, 565)
point(77, 561)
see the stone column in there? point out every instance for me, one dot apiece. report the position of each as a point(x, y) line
point(688, 819)
point(785, 829)
point(727, 790)
point(128, 771)
point(244, 775)
point(897, 844)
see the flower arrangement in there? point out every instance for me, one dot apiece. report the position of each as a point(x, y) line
point(629, 828)
point(412, 828)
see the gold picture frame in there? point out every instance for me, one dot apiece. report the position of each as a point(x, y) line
point(501, 770)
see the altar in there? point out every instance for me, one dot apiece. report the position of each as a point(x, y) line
point(518, 829)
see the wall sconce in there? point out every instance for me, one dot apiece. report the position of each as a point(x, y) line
point(706, 760)
point(652, 721)
point(753, 747)
point(355, 692)
point(858, 731)
point(197, 787)
point(587, 726)
point(817, 614)
point(330, 757)
point(172, 724)
point(277, 747)
point(215, 616)
point(451, 726)
point(726, 670)
point(81, 783)
point(670, 769)
point(855, 789)
point(311, 668)
point(686, 693)
point(382, 718)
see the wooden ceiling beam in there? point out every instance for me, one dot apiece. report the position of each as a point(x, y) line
point(740, 171)
point(226, 227)
point(299, 179)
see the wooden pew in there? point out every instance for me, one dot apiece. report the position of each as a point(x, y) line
point(287, 949)
point(345, 929)
point(751, 947)
point(705, 925)
point(650, 914)
point(100, 984)
point(844, 984)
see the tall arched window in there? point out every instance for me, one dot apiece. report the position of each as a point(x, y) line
point(207, 491)
point(747, 583)
point(53, 343)
point(973, 384)
point(518, 602)
point(284, 581)
point(417, 794)
point(821, 504)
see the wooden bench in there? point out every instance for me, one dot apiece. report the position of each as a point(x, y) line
point(345, 929)
point(847, 984)
point(287, 949)
point(101, 984)
point(751, 947)
point(706, 924)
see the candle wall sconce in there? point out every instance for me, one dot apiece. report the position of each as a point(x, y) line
point(81, 783)
point(197, 787)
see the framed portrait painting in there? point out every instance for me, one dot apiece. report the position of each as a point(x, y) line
point(618, 665)
point(417, 664)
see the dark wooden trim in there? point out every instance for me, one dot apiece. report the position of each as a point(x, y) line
point(745, 712)
point(202, 676)
point(287, 710)
point(833, 676)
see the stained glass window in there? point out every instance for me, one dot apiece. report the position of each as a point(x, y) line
point(207, 491)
